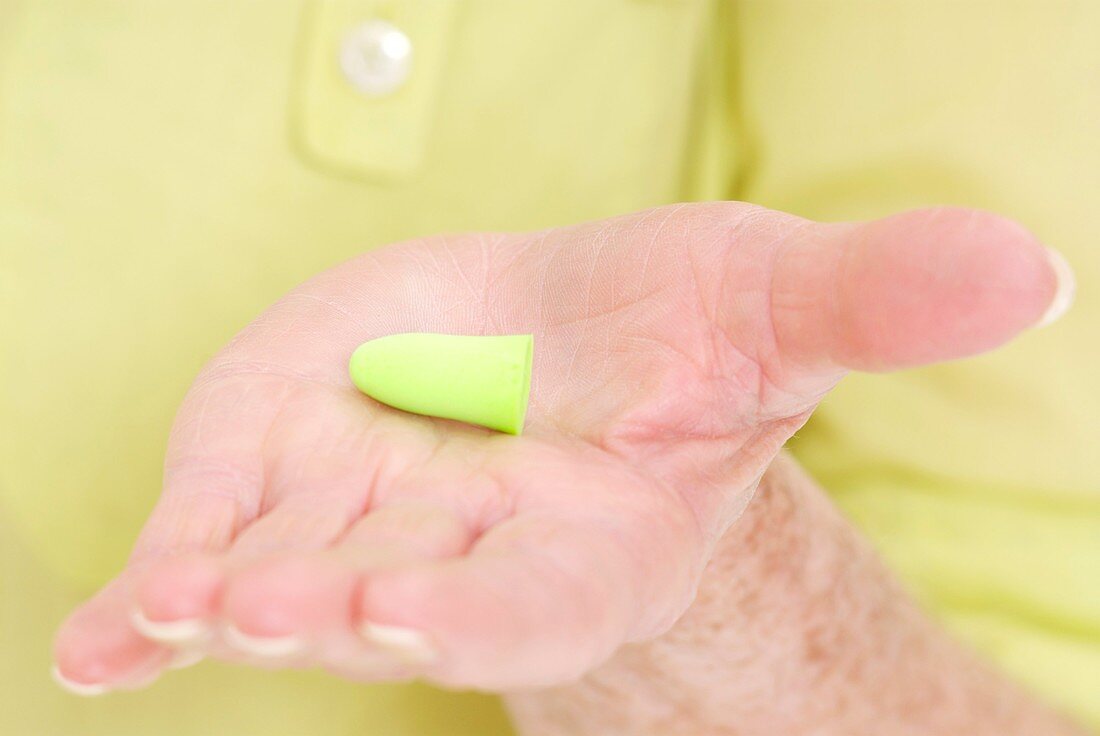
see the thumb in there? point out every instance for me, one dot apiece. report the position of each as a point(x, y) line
point(915, 288)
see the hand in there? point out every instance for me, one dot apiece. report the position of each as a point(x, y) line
point(676, 350)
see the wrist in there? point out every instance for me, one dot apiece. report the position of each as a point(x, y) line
point(796, 628)
point(742, 652)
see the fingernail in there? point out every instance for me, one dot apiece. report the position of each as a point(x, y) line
point(1067, 287)
point(407, 644)
point(178, 632)
point(262, 646)
point(186, 658)
point(84, 689)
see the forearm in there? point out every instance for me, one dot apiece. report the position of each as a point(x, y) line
point(797, 628)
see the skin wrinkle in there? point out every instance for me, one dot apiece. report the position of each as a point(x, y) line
point(370, 485)
point(493, 501)
point(489, 324)
point(424, 547)
point(762, 367)
point(724, 331)
point(819, 299)
point(477, 517)
point(146, 550)
point(657, 231)
point(208, 469)
point(612, 311)
point(775, 357)
point(496, 506)
point(474, 294)
point(265, 435)
point(242, 513)
point(306, 296)
point(601, 243)
point(636, 432)
point(289, 327)
point(584, 316)
point(701, 313)
point(439, 273)
point(175, 464)
point(722, 373)
point(200, 417)
point(241, 368)
point(768, 436)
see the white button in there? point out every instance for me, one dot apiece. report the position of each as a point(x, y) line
point(375, 57)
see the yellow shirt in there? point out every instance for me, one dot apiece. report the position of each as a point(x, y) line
point(169, 168)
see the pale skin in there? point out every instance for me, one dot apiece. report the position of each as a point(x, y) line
point(302, 524)
point(796, 629)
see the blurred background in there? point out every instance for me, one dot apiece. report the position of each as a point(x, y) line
point(167, 169)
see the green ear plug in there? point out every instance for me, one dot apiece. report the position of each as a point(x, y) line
point(478, 379)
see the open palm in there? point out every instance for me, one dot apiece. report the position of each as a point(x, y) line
point(676, 350)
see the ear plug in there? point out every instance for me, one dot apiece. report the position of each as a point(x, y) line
point(477, 379)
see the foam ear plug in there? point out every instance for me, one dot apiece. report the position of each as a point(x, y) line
point(477, 379)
